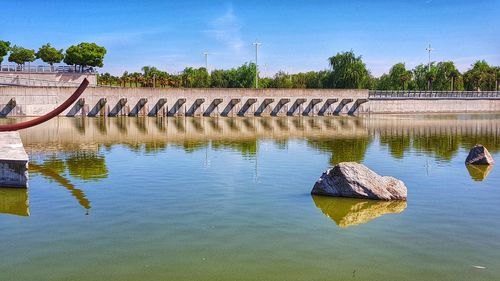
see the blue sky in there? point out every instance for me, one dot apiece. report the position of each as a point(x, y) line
point(295, 35)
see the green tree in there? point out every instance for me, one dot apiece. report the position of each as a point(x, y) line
point(84, 55)
point(480, 77)
point(4, 49)
point(446, 76)
point(282, 80)
point(49, 54)
point(218, 79)
point(431, 75)
point(420, 77)
point(497, 77)
point(195, 77)
point(21, 55)
point(348, 71)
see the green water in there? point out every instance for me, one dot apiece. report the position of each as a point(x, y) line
point(228, 199)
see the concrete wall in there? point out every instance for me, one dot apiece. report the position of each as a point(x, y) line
point(35, 101)
point(39, 77)
point(107, 101)
point(430, 106)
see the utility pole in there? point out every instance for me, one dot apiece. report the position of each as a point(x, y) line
point(206, 60)
point(429, 50)
point(257, 44)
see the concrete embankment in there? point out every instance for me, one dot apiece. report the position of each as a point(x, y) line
point(106, 101)
point(13, 161)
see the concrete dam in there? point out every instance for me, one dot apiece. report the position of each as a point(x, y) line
point(114, 101)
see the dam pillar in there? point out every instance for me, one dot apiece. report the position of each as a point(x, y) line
point(280, 108)
point(296, 107)
point(230, 108)
point(176, 108)
point(158, 108)
point(247, 106)
point(213, 108)
point(341, 106)
point(13, 161)
point(99, 108)
point(325, 109)
point(195, 107)
point(312, 108)
point(118, 108)
point(139, 108)
point(264, 108)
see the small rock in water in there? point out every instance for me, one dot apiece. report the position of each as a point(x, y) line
point(350, 179)
point(479, 155)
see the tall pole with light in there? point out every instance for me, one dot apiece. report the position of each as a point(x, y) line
point(206, 60)
point(429, 50)
point(257, 45)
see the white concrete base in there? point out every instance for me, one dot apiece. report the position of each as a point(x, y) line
point(13, 161)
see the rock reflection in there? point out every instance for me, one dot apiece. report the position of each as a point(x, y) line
point(479, 172)
point(14, 201)
point(346, 212)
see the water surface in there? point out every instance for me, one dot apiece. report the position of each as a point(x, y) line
point(228, 199)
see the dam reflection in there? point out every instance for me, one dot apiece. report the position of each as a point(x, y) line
point(344, 138)
point(346, 212)
point(14, 201)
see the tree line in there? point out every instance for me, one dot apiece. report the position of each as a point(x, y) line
point(81, 56)
point(347, 71)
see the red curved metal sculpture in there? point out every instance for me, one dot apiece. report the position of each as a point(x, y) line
point(58, 110)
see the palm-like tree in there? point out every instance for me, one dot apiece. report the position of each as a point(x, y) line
point(431, 77)
point(404, 78)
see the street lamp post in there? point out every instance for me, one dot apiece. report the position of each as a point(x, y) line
point(429, 50)
point(257, 44)
point(206, 60)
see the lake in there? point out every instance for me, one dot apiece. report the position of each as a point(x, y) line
point(229, 199)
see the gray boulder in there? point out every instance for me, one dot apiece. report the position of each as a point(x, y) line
point(350, 179)
point(479, 155)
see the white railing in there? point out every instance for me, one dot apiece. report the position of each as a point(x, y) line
point(434, 94)
point(44, 69)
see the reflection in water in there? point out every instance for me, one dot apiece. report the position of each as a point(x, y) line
point(345, 138)
point(479, 172)
point(87, 166)
point(52, 174)
point(346, 212)
point(14, 201)
point(343, 150)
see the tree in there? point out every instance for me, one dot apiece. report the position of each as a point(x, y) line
point(85, 55)
point(21, 55)
point(218, 79)
point(282, 80)
point(49, 54)
point(4, 49)
point(446, 76)
point(195, 78)
point(420, 77)
point(348, 71)
point(480, 77)
point(431, 75)
point(497, 77)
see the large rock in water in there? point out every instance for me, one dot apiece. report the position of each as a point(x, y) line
point(350, 179)
point(479, 155)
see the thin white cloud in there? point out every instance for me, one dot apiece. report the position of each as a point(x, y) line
point(125, 38)
point(226, 29)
